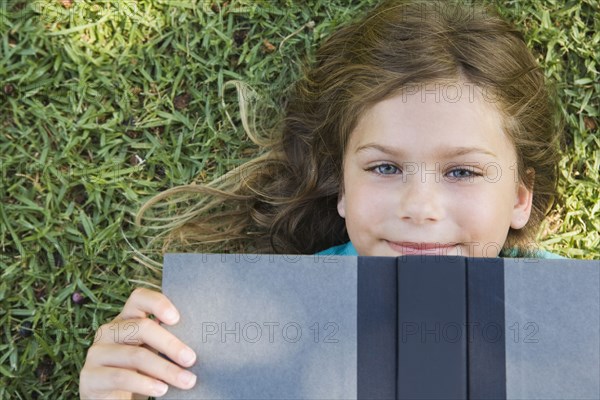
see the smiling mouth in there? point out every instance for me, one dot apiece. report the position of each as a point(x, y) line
point(409, 248)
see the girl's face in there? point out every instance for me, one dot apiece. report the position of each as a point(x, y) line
point(426, 175)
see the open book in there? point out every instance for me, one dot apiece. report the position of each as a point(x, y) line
point(411, 327)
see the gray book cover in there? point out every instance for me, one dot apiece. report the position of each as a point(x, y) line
point(552, 311)
point(266, 327)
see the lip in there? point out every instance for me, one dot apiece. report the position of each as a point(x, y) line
point(417, 248)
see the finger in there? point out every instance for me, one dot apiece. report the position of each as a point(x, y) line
point(144, 361)
point(138, 332)
point(144, 302)
point(101, 381)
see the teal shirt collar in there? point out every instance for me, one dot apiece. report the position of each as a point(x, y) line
point(346, 249)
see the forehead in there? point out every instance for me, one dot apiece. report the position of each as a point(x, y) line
point(433, 116)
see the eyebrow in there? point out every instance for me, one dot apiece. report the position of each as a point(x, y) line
point(452, 152)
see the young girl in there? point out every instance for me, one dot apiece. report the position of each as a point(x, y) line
point(423, 128)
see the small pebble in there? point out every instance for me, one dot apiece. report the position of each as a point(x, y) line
point(77, 298)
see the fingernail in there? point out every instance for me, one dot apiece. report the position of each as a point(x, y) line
point(159, 388)
point(187, 356)
point(171, 316)
point(187, 378)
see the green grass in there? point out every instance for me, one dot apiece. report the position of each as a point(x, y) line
point(102, 106)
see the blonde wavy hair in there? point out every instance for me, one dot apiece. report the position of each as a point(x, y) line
point(284, 201)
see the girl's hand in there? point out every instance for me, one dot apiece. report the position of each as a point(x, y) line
point(123, 361)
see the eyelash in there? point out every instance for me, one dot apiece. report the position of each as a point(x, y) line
point(472, 174)
point(374, 169)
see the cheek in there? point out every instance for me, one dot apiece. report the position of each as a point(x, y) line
point(482, 212)
point(467, 204)
point(370, 199)
point(366, 207)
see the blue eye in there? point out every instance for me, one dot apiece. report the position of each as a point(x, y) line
point(462, 173)
point(385, 169)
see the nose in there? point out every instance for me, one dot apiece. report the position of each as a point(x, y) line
point(420, 200)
